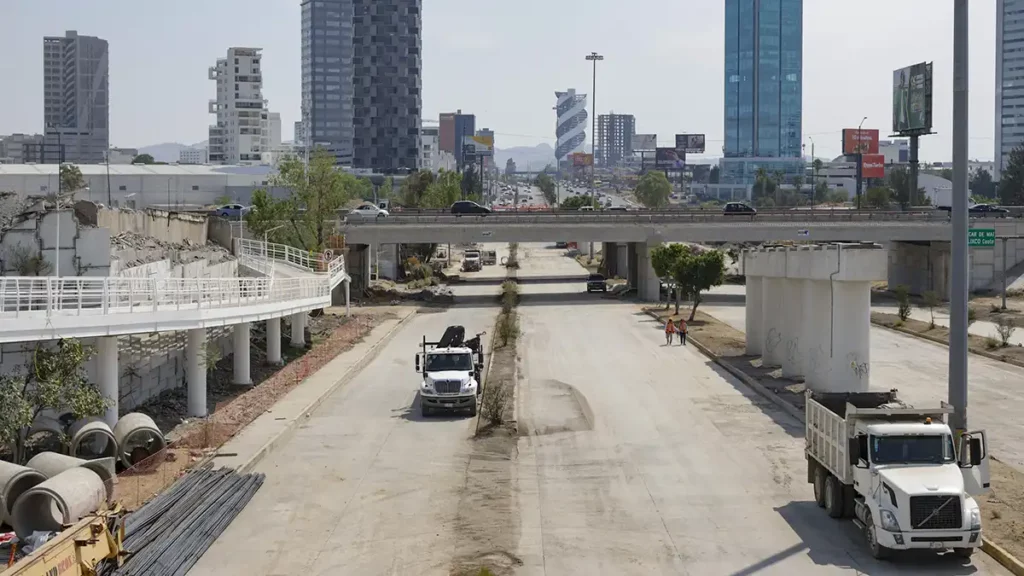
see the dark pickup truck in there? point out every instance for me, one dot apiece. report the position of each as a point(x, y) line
point(595, 283)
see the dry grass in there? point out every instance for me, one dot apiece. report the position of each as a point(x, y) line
point(989, 347)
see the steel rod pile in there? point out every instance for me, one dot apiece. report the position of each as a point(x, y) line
point(168, 535)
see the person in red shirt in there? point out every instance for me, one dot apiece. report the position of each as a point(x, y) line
point(683, 328)
point(670, 329)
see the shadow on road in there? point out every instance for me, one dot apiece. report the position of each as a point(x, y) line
point(543, 299)
point(412, 413)
point(714, 299)
point(578, 279)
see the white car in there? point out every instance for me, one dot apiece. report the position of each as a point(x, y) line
point(368, 211)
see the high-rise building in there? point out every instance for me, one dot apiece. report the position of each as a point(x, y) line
point(242, 132)
point(453, 127)
point(614, 138)
point(571, 111)
point(274, 125)
point(1009, 81)
point(763, 87)
point(299, 136)
point(76, 98)
point(361, 81)
point(446, 131)
point(193, 155)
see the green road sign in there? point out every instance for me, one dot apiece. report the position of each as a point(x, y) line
point(981, 237)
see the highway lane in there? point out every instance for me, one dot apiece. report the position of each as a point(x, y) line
point(644, 459)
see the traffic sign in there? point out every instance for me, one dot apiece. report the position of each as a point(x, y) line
point(981, 237)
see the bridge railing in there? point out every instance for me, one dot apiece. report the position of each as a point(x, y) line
point(41, 296)
point(261, 256)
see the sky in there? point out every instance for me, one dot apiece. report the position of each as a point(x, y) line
point(503, 61)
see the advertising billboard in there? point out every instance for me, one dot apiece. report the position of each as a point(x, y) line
point(860, 141)
point(690, 143)
point(581, 159)
point(873, 166)
point(912, 99)
point(478, 145)
point(645, 142)
point(668, 159)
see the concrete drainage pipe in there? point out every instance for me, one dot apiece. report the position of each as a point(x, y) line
point(92, 438)
point(64, 499)
point(137, 438)
point(50, 464)
point(14, 481)
point(45, 435)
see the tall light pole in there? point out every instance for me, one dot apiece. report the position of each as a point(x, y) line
point(860, 161)
point(595, 58)
point(958, 217)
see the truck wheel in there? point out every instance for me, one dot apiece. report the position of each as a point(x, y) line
point(964, 553)
point(426, 411)
point(819, 486)
point(878, 552)
point(833, 497)
point(472, 408)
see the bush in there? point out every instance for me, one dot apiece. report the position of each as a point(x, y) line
point(931, 302)
point(1005, 328)
point(972, 316)
point(991, 343)
point(509, 296)
point(508, 328)
point(416, 270)
point(495, 401)
point(903, 299)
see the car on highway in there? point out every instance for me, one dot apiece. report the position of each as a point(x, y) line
point(367, 211)
point(232, 211)
point(617, 209)
point(469, 207)
point(739, 209)
point(596, 283)
point(990, 210)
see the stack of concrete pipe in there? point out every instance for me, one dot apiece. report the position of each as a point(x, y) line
point(91, 438)
point(137, 438)
point(14, 481)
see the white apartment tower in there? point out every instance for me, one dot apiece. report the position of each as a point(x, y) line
point(1009, 80)
point(242, 132)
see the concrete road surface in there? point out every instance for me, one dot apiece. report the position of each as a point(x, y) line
point(920, 370)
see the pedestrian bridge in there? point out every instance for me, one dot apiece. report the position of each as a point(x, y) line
point(655, 226)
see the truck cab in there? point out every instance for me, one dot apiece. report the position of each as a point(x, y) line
point(897, 471)
point(450, 370)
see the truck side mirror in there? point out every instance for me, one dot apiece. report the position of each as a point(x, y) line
point(417, 362)
point(853, 451)
point(975, 444)
point(480, 357)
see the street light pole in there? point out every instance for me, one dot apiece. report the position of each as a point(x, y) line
point(958, 216)
point(595, 58)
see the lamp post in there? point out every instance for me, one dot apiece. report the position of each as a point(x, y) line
point(814, 173)
point(860, 161)
point(959, 223)
point(595, 58)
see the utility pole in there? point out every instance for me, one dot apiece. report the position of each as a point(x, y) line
point(860, 163)
point(595, 58)
point(958, 216)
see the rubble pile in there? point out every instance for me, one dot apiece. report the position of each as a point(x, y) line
point(137, 249)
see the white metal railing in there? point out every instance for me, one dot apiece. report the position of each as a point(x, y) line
point(255, 254)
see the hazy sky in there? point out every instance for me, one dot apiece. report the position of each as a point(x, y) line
point(503, 61)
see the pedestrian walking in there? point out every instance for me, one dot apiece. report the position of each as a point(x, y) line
point(670, 330)
point(683, 328)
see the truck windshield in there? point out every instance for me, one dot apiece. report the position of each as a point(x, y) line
point(449, 361)
point(912, 449)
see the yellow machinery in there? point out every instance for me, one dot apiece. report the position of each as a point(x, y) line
point(78, 550)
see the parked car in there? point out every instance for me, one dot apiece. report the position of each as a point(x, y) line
point(989, 210)
point(596, 283)
point(232, 211)
point(739, 209)
point(469, 207)
point(368, 211)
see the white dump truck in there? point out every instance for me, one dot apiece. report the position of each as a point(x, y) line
point(451, 369)
point(896, 471)
point(471, 261)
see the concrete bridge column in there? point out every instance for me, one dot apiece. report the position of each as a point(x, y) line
point(632, 279)
point(298, 324)
point(772, 312)
point(274, 342)
point(650, 290)
point(109, 380)
point(793, 323)
point(348, 297)
point(610, 254)
point(195, 371)
point(851, 310)
point(755, 333)
point(240, 373)
point(816, 335)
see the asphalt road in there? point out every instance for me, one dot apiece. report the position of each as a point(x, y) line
point(634, 458)
point(920, 371)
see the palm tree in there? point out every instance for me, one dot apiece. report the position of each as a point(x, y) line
point(760, 181)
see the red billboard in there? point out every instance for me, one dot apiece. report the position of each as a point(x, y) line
point(873, 166)
point(860, 141)
point(582, 159)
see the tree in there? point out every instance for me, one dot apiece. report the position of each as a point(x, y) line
point(764, 186)
point(143, 159)
point(444, 191)
point(663, 260)
point(577, 202)
point(266, 213)
point(715, 174)
point(71, 180)
point(317, 193)
point(1011, 181)
point(877, 197)
point(387, 189)
point(798, 183)
point(698, 271)
point(821, 192)
point(981, 184)
point(54, 381)
point(653, 190)
point(898, 181)
point(547, 187)
point(414, 186)
point(946, 173)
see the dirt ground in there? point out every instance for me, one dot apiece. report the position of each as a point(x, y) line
point(987, 307)
point(233, 408)
point(977, 344)
point(1002, 507)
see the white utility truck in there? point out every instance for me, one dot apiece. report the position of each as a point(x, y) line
point(451, 369)
point(895, 470)
point(471, 261)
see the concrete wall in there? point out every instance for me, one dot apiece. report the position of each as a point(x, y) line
point(177, 227)
point(83, 250)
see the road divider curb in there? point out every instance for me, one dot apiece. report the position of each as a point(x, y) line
point(349, 374)
point(487, 372)
point(942, 342)
point(997, 552)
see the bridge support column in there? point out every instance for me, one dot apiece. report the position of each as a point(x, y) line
point(348, 297)
point(106, 357)
point(240, 373)
point(755, 331)
point(816, 336)
point(851, 315)
point(650, 284)
point(195, 371)
point(792, 327)
point(274, 342)
point(298, 323)
point(772, 311)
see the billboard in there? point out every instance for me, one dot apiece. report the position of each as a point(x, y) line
point(645, 142)
point(690, 143)
point(856, 140)
point(581, 159)
point(668, 159)
point(912, 99)
point(478, 145)
point(873, 166)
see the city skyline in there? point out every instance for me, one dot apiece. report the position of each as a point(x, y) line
point(840, 87)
